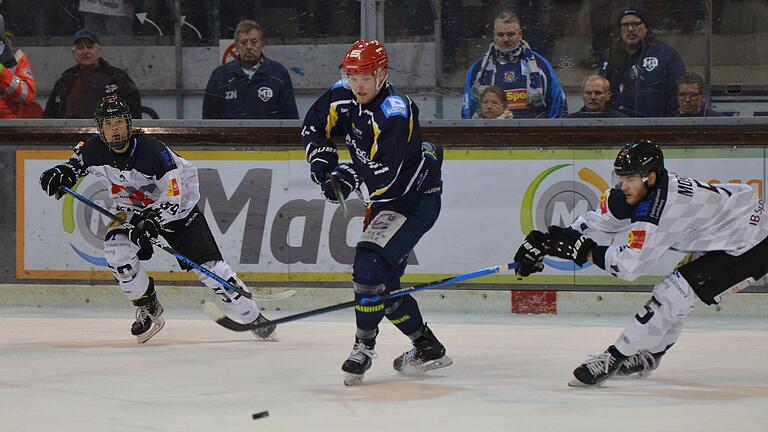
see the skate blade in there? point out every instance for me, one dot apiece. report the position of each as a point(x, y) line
point(271, 338)
point(416, 370)
point(157, 325)
point(351, 379)
point(576, 383)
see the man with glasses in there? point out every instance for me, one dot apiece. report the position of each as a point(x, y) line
point(527, 78)
point(641, 69)
point(596, 91)
point(690, 97)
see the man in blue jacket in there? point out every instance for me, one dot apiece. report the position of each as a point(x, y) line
point(642, 70)
point(252, 86)
point(530, 83)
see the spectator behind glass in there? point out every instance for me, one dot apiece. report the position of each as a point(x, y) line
point(493, 104)
point(539, 15)
point(80, 88)
point(641, 69)
point(527, 78)
point(114, 17)
point(690, 96)
point(596, 91)
point(252, 86)
point(17, 85)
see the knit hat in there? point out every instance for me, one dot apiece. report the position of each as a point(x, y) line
point(636, 10)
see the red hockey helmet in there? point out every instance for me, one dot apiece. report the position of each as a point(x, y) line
point(365, 57)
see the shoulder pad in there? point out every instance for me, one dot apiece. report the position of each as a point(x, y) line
point(394, 106)
point(339, 84)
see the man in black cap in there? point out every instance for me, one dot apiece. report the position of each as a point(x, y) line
point(641, 69)
point(80, 88)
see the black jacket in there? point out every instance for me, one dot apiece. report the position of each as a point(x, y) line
point(643, 84)
point(230, 94)
point(120, 83)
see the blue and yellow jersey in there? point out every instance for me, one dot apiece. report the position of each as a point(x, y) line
point(383, 137)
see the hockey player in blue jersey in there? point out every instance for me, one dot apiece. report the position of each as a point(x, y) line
point(157, 191)
point(398, 176)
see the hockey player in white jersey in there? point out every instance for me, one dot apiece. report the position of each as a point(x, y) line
point(722, 227)
point(157, 191)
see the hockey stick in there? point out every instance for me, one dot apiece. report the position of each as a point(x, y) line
point(337, 190)
point(217, 315)
point(228, 286)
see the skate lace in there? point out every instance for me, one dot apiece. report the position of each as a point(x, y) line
point(411, 356)
point(644, 359)
point(600, 363)
point(142, 313)
point(360, 351)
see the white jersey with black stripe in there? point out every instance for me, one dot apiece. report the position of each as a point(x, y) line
point(679, 214)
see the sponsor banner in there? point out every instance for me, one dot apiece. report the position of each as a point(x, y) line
point(272, 224)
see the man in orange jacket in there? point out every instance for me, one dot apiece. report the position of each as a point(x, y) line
point(17, 85)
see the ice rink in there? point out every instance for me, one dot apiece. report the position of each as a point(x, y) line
point(68, 370)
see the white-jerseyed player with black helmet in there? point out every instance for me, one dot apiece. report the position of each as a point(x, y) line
point(723, 227)
point(157, 191)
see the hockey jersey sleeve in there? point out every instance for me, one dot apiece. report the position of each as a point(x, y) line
point(321, 123)
point(612, 216)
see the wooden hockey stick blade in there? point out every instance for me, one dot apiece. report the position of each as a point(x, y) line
point(221, 319)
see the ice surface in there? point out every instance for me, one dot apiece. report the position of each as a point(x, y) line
point(68, 370)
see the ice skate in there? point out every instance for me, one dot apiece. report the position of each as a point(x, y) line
point(639, 365)
point(597, 369)
point(149, 315)
point(359, 361)
point(427, 354)
point(267, 333)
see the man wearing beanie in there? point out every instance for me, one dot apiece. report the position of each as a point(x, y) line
point(642, 70)
point(17, 85)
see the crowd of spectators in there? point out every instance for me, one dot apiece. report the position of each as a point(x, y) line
point(638, 75)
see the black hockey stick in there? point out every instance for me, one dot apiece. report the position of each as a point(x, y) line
point(339, 196)
point(227, 285)
point(217, 315)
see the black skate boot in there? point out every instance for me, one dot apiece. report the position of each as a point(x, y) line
point(359, 361)
point(266, 333)
point(427, 354)
point(597, 369)
point(639, 365)
point(149, 315)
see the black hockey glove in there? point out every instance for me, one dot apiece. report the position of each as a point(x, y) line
point(322, 161)
point(530, 255)
point(142, 234)
point(347, 179)
point(60, 175)
point(567, 243)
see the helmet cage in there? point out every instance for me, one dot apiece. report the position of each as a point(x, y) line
point(111, 107)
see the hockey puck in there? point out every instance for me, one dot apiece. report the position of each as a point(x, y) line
point(259, 415)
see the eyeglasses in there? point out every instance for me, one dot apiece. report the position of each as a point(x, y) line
point(691, 95)
point(507, 34)
point(633, 24)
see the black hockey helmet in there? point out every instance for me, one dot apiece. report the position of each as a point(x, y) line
point(110, 107)
point(639, 157)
